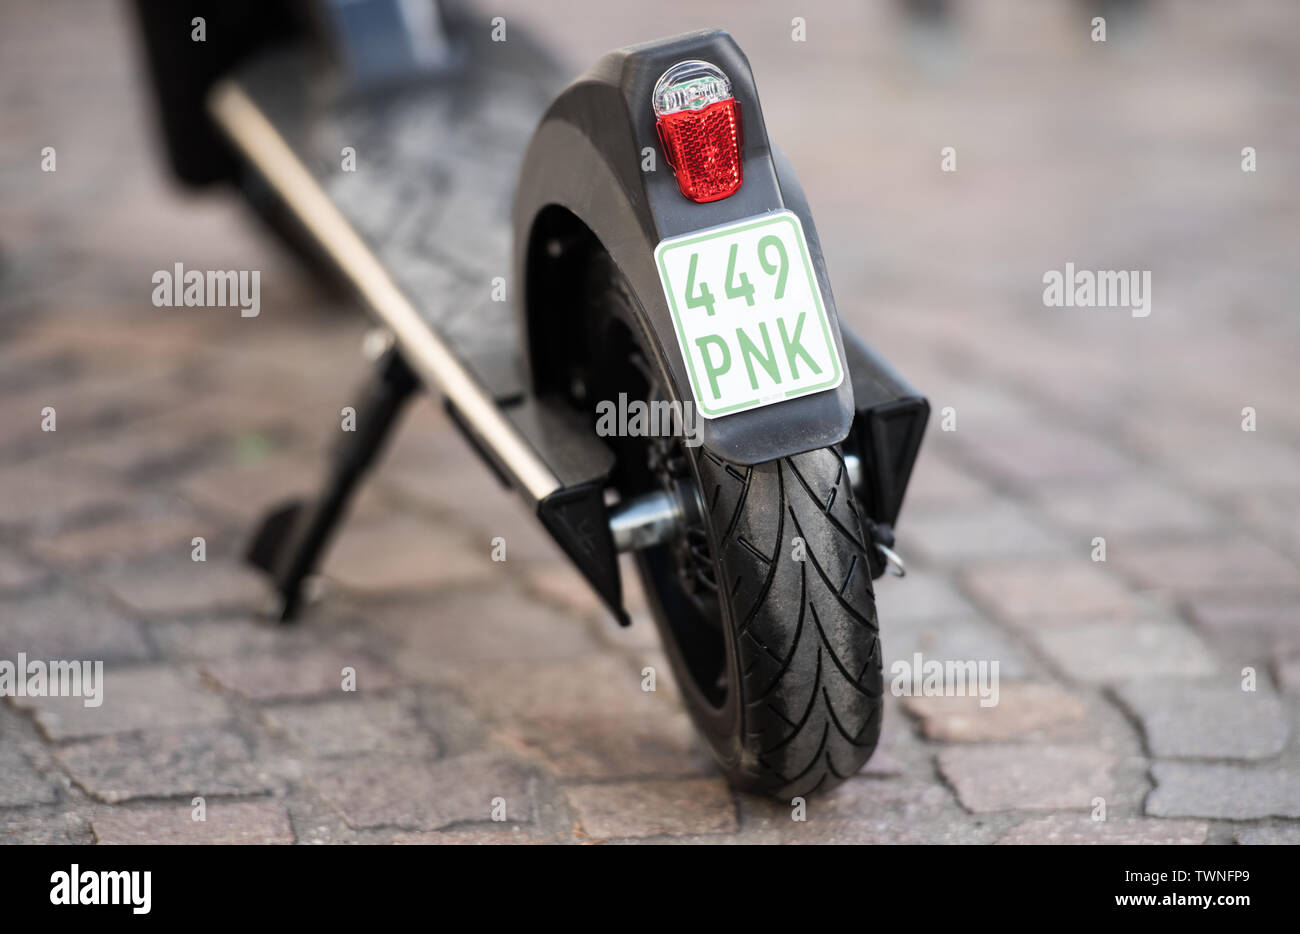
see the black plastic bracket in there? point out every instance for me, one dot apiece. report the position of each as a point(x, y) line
point(577, 519)
point(888, 426)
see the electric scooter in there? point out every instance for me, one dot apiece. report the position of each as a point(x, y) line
point(655, 248)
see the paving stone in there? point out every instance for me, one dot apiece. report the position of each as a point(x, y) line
point(527, 544)
point(643, 634)
point(245, 490)
point(310, 384)
point(435, 470)
point(1000, 529)
point(1220, 791)
point(983, 408)
point(212, 640)
point(187, 587)
point(1035, 454)
point(884, 763)
point(444, 711)
point(1207, 720)
point(254, 823)
point(65, 626)
point(1250, 624)
point(923, 595)
point(514, 836)
point(310, 674)
point(952, 639)
point(22, 784)
point(1235, 565)
point(129, 699)
point(1245, 461)
point(116, 343)
point(37, 495)
point(1027, 778)
point(42, 831)
point(151, 447)
point(353, 727)
point(560, 585)
point(17, 573)
point(598, 747)
point(1269, 836)
point(209, 432)
point(477, 626)
point(857, 833)
point(653, 808)
point(573, 688)
point(1288, 675)
point(104, 397)
point(898, 752)
point(1023, 711)
point(1101, 653)
point(164, 764)
point(938, 483)
point(1072, 830)
point(404, 554)
point(1034, 591)
point(426, 795)
point(78, 412)
point(1128, 508)
point(884, 807)
point(122, 540)
point(1272, 514)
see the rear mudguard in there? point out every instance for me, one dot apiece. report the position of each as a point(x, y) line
point(583, 177)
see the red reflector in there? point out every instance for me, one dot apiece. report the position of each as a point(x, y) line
point(703, 149)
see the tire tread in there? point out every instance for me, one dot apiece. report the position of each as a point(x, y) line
point(808, 722)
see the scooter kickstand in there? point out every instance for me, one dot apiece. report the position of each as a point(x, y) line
point(293, 536)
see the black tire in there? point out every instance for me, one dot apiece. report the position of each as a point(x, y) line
point(778, 659)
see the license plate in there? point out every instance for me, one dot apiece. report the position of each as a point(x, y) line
point(749, 314)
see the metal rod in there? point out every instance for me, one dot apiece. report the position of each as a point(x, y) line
point(645, 521)
point(655, 518)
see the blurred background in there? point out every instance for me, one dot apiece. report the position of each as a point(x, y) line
point(1070, 424)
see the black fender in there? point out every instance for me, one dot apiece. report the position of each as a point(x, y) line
point(582, 174)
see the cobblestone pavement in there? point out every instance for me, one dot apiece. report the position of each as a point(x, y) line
point(1121, 680)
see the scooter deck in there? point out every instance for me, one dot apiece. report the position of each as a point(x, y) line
point(434, 170)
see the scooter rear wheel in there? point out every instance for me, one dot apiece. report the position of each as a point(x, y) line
point(764, 602)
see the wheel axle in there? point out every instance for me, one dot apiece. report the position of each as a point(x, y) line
point(656, 518)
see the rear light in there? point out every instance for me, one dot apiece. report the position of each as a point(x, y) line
point(699, 127)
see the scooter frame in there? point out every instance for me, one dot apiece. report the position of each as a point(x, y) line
point(583, 184)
